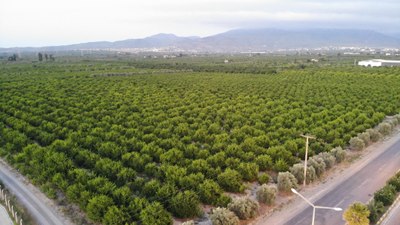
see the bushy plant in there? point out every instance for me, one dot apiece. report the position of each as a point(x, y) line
point(230, 180)
point(263, 178)
point(356, 143)
point(376, 209)
point(244, 207)
point(286, 181)
point(223, 216)
point(185, 204)
point(298, 171)
point(357, 214)
point(328, 158)
point(318, 164)
point(395, 182)
point(365, 136)
point(155, 214)
point(385, 195)
point(385, 128)
point(339, 154)
point(374, 135)
point(267, 194)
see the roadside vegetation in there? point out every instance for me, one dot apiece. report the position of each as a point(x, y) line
point(144, 144)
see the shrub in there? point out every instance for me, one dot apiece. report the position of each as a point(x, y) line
point(357, 214)
point(223, 216)
point(339, 154)
point(395, 182)
point(385, 195)
point(244, 208)
point(281, 165)
point(249, 171)
point(374, 135)
point(298, 171)
point(328, 158)
point(365, 136)
point(267, 194)
point(356, 143)
point(209, 191)
point(264, 162)
point(230, 180)
point(185, 204)
point(263, 178)
point(385, 128)
point(98, 206)
point(155, 214)
point(376, 209)
point(286, 181)
point(223, 200)
point(318, 164)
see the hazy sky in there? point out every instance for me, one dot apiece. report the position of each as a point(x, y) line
point(55, 22)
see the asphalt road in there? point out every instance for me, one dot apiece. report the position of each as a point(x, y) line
point(358, 187)
point(41, 212)
point(4, 217)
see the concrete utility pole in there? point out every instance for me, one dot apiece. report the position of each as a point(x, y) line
point(306, 156)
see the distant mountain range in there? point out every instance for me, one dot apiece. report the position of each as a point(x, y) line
point(240, 40)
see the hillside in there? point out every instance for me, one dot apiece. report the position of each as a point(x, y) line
point(239, 40)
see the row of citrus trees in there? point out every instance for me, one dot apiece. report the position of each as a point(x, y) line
point(128, 148)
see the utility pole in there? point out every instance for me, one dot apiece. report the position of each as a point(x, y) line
point(305, 158)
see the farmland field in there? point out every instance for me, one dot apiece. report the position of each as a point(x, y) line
point(133, 144)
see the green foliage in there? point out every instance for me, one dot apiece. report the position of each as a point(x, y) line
point(263, 178)
point(376, 209)
point(223, 216)
point(264, 162)
point(286, 181)
point(395, 182)
point(155, 214)
point(357, 214)
point(385, 195)
point(185, 204)
point(142, 130)
point(209, 191)
point(230, 180)
point(249, 171)
point(244, 208)
point(281, 165)
point(98, 206)
point(267, 194)
point(114, 216)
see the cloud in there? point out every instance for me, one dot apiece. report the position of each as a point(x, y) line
point(43, 22)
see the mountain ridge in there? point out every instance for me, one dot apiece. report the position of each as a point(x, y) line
point(238, 40)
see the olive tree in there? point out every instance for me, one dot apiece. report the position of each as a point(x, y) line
point(286, 181)
point(244, 207)
point(223, 216)
point(267, 194)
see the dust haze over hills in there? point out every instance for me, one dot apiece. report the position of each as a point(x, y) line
point(241, 40)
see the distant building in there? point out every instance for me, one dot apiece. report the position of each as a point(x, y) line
point(379, 63)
